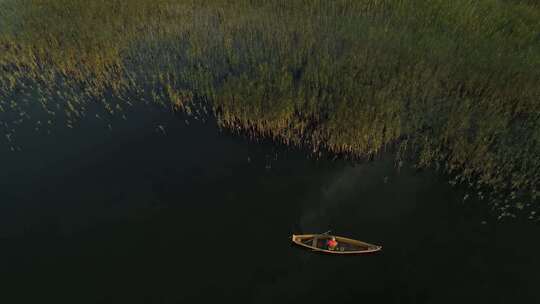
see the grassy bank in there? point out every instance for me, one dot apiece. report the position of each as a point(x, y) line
point(449, 84)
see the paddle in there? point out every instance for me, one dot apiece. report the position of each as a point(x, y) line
point(326, 233)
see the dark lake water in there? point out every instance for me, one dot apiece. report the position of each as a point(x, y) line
point(196, 215)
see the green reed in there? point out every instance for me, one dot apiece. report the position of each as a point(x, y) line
point(448, 84)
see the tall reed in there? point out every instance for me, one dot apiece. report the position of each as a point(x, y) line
point(449, 84)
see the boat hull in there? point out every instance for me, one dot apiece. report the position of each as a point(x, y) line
point(346, 246)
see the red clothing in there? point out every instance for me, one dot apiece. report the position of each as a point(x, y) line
point(331, 243)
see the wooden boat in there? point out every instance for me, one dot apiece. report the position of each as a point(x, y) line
point(317, 242)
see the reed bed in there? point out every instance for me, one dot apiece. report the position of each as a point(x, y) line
point(453, 85)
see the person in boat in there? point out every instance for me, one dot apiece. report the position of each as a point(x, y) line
point(332, 243)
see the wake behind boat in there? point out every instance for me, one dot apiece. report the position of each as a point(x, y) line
point(318, 242)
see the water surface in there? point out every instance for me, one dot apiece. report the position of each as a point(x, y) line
point(193, 214)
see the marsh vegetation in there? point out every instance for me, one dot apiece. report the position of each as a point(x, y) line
point(453, 85)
